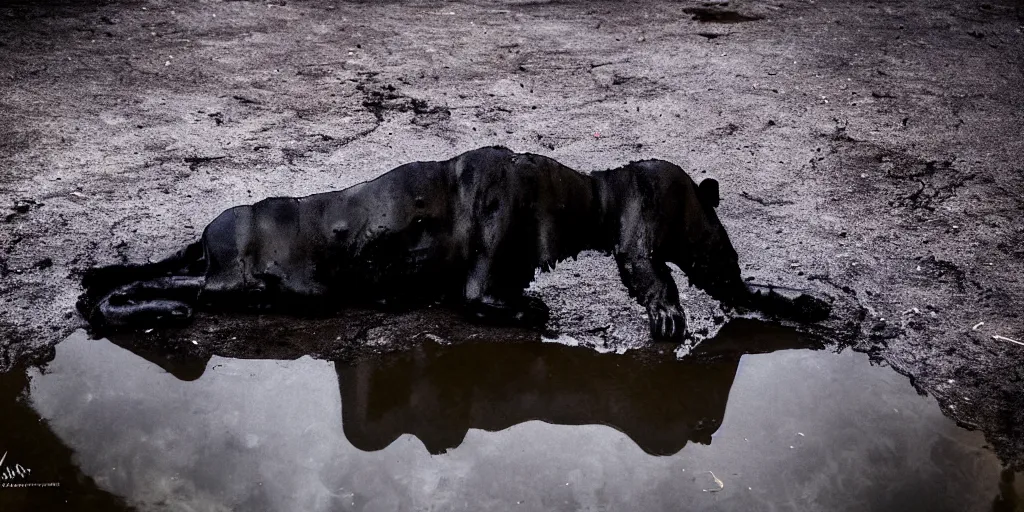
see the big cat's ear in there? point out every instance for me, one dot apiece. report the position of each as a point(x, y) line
point(707, 191)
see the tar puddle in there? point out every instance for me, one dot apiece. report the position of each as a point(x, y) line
point(757, 419)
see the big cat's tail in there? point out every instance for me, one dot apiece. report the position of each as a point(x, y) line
point(99, 281)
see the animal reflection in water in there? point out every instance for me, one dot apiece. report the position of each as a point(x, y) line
point(437, 393)
point(264, 434)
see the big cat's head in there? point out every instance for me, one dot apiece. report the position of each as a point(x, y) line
point(712, 261)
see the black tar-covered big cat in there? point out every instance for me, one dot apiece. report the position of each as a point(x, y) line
point(469, 231)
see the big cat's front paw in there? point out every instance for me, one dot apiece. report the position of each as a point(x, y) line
point(667, 321)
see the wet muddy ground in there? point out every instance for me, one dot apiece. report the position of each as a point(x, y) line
point(763, 418)
point(869, 151)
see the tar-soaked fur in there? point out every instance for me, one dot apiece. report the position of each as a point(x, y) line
point(469, 231)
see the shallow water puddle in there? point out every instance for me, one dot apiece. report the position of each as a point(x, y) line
point(757, 419)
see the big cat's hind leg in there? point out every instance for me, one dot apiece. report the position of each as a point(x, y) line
point(101, 282)
point(155, 302)
point(502, 264)
point(494, 291)
point(494, 294)
point(520, 310)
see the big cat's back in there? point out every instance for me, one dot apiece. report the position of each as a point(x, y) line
point(484, 158)
point(661, 171)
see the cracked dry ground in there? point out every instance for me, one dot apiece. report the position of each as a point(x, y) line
point(870, 151)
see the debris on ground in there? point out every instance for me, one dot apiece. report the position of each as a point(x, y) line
point(718, 482)
point(1004, 338)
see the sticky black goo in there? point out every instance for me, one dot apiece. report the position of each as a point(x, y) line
point(469, 231)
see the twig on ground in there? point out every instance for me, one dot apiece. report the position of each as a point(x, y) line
point(1004, 338)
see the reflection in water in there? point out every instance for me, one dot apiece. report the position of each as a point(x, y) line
point(1008, 499)
point(788, 430)
point(226, 441)
point(438, 393)
point(27, 441)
